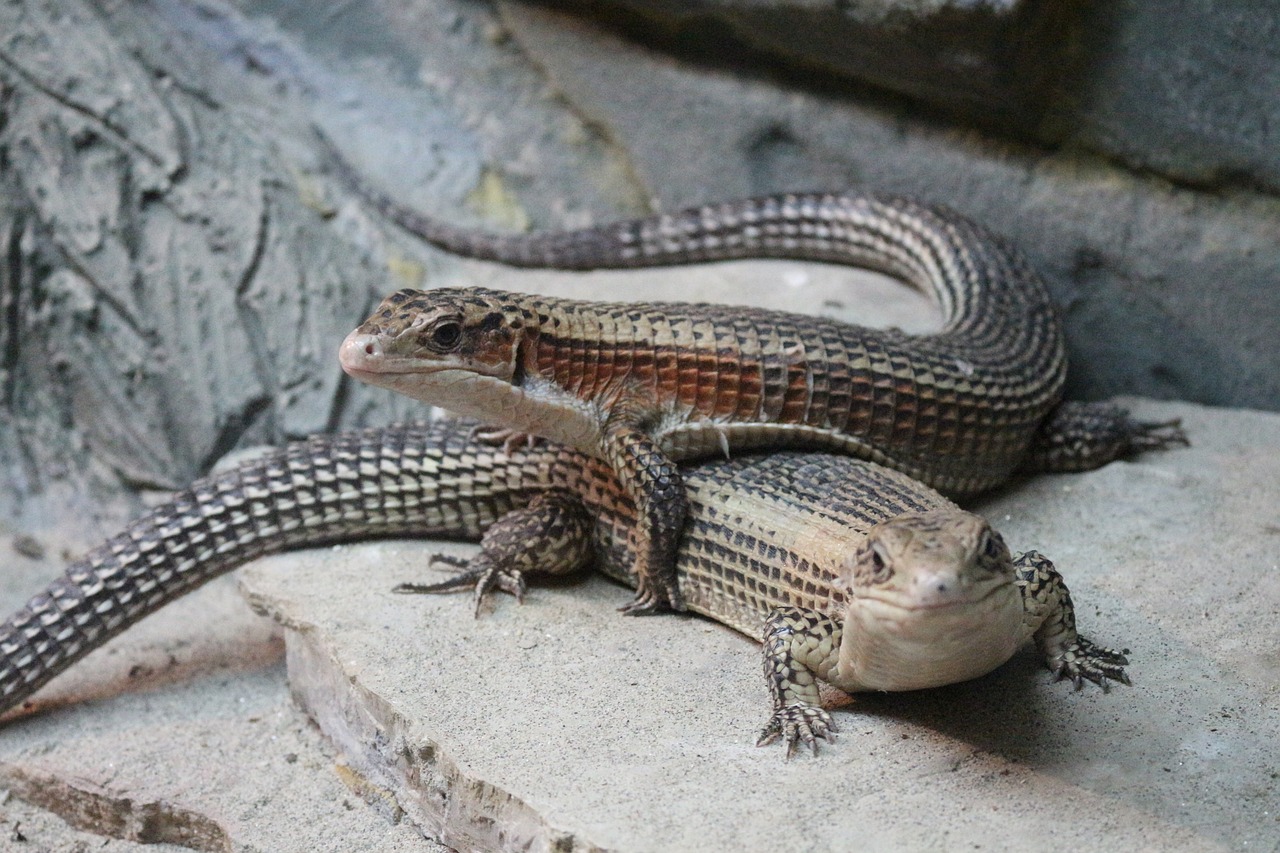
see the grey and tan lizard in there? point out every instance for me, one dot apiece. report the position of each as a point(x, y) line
point(643, 384)
point(851, 573)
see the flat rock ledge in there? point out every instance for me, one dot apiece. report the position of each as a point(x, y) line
point(561, 725)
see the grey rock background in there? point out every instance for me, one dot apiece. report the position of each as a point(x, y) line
point(178, 266)
point(1185, 89)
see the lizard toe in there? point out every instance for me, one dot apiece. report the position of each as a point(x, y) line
point(796, 724)
point(1084, 661)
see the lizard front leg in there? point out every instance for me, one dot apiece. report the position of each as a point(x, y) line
point(800, 647)
point(1051, 618)
point(655, 485)
point(552, 535)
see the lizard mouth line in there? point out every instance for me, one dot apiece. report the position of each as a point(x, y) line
point(917, 607)
point(374, 371)
point(357, 365)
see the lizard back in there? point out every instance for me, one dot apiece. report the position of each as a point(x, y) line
point(957, 409)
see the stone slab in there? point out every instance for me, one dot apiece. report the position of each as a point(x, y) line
point(181, 735)
point(562, 725)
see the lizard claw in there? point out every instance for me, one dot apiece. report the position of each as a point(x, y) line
point(510, 581)
point(1157, 435)
point(648, 601)
point(1084, 661)
point(645, 603)
point(510, 440)
point(796, 723)
point(675, 598)
point(483, 578)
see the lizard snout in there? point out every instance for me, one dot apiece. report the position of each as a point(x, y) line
point(361, 352)
point(937, 588)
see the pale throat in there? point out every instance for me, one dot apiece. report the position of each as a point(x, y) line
point(891, 647)
point(538, 407)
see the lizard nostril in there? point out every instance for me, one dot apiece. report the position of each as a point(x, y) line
point(360, 351)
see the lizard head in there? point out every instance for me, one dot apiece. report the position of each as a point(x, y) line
point(932, 600)
point(930, 561)
point(424, 343)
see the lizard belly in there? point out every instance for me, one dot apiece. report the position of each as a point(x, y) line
point(683, 438)
point(886, 647)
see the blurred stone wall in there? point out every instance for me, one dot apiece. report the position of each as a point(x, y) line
point(177, 268)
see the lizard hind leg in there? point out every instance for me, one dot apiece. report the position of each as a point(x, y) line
point(550, 536)
point(1083, 436)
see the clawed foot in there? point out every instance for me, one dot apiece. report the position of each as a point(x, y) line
point(796, 723)
point(1157, 435)
point(510, 440)
point(1083, 661)
point(648, 600)
point(482, 578)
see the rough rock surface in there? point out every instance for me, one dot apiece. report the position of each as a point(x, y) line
point(181, 736)
point(560, 725)
point(995, 62)
point(174, 278)
point(1182, 88)
point(566, 724)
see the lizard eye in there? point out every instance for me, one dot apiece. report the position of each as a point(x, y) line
point(880, 561)
point(990, 546)
point(446, 336)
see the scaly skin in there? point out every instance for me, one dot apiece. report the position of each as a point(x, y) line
point(643, 384)
point(908, 592)
point(767, 538)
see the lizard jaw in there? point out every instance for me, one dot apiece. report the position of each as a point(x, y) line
point(535, 407)
point(925, 597)
point(889, 645)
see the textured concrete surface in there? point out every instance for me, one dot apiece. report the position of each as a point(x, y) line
point(1185, 89)
point(566, 725)
point(560, 725)
point(181, 735)
point(1182, 88)
point(993, 62)
point(172, 284)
